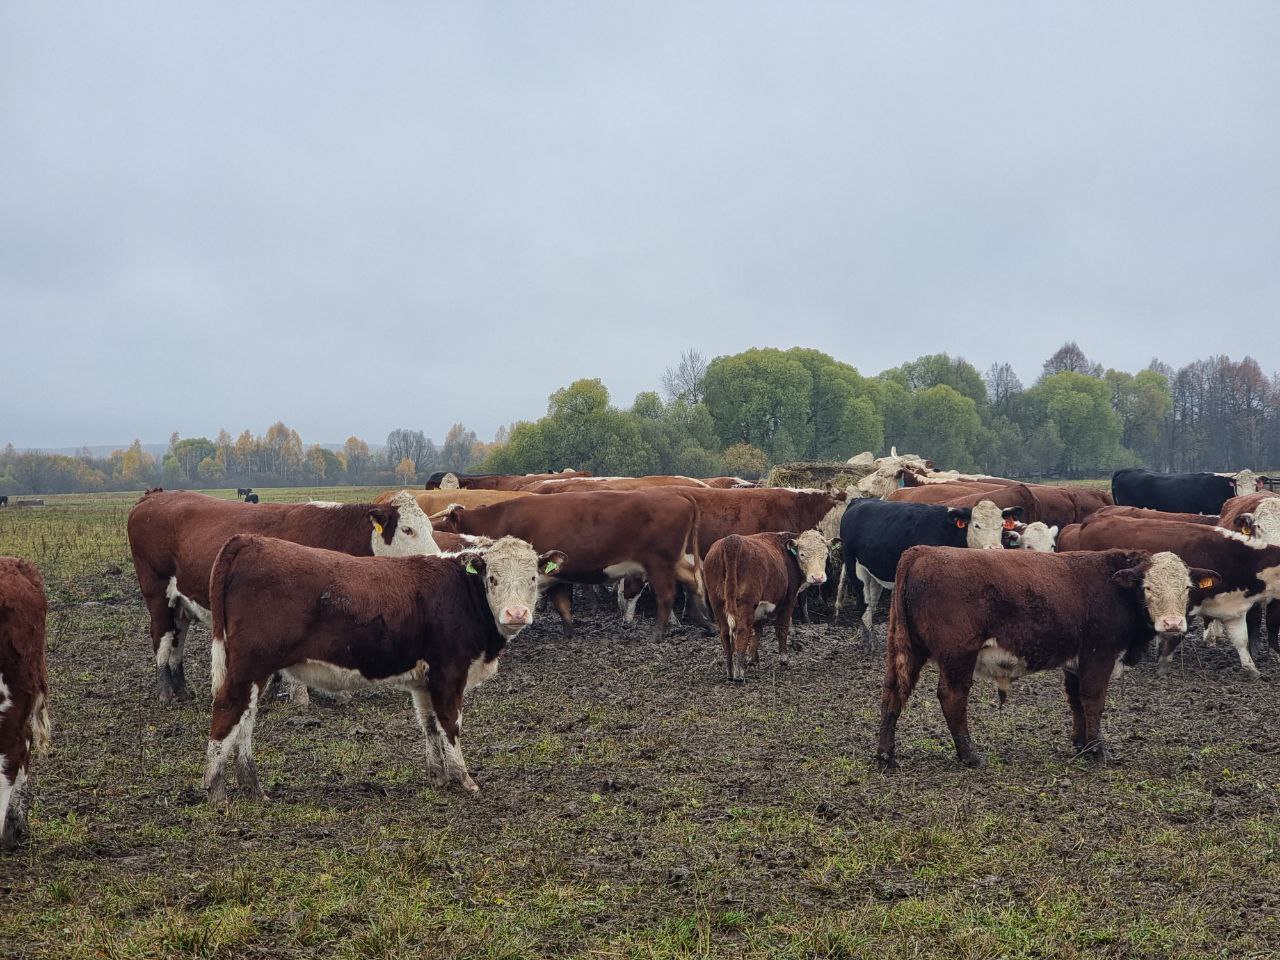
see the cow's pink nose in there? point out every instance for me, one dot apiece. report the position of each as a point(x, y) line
point(516, 615)
point(1173, 625)
point(818, 578)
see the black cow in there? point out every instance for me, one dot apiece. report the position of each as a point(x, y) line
point(1180, 492)
point(243, 491)
point(4, 501)
point(250, 498)
point(875, 533)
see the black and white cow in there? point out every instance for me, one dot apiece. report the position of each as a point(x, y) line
point(1181, 492)
point(875, 533)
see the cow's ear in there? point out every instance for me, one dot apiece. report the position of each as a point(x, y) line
point(1203, 581)
point(472, 561)
point(1011, 516)
point(959, 516)
point(833, 543)
point(1129, 578)
point(550, 562)
point(1245, 524)
point(793, 548)
point(379, 518)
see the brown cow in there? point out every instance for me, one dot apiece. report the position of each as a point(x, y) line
point(764, 510)
point(1145, 513)
point(175, 536)
point(1249, 569)
point(941, 492)
point(729, 483)
point(1048, 504)
point(434, 626)
point(750, 578)
point(1007, 613)
point(440, 480)
point(24, 691)
point(608, 536)
point(432, 502)
point(589, 484)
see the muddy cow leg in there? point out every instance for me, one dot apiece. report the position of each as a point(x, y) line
point(955, 678)
point(13, 800)
point(1071, 681)
point(447, 714)
point(1253, 620)
point(561, 597)
point(871, 591)
point(1168, 645)
point(1238, 634)
point(246, 766)
point(901, 674)
point(426, 715)
point(182, 619)
point(164, 628)
point(1094, 677)
point(1273, 625)
point(664, 595)
point(232, 705)
point(726, 637)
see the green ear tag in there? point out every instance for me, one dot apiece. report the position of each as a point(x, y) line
point(471, 567)
point(551, 567)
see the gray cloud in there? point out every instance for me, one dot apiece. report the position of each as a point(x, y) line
point(356, 217)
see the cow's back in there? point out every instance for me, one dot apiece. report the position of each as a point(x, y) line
point(756, 510)
point(876, 533)
point(746, 568)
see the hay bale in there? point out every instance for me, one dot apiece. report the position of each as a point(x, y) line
point(817, 473)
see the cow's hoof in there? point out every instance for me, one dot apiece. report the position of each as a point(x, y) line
point(218, 796)
point(886, 761)
point(469, 787)
point(183, 694)
point(796, 646)
point(1163, 668)
point(784, 662)
point(1253, 673)
point(975, 761)
point(1099, 753)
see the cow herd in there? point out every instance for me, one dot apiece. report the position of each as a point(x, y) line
point(423, 590)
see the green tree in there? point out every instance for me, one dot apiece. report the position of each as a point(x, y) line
point(761, 397)
point(1080, 407)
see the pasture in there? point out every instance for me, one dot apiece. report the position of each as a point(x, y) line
point(633, 804)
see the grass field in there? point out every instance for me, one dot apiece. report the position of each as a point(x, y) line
point(633, 804)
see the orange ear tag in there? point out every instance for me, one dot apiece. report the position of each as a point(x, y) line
point(1205, 583)
point(961, 524)
point(1009, 523)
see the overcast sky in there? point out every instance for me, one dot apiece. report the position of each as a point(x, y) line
point(359, 216)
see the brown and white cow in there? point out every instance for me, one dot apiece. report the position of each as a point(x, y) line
point(763, 510)
point(434, 626)
point(753, 577)
point(1248, 568)
point(608, 536)
point(495, 481)
point(1004, 614)
point(1049, 504)
point(1257, 515)
point(174, 537)
point(432, 502)
point(589, 484)
point(729, 483)
point(1146, 513)
point(1031, 536)
point(24, 691)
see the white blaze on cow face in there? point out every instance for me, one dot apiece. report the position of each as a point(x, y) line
point(1264, 523)
point(811, 550)
point(1246, 481)
point(985, 527)
point(1166, 590)
point(412, 537)
point(510, 569)
point(881, 483)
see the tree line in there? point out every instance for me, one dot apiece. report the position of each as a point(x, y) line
point(741, 413)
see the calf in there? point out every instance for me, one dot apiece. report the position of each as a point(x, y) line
point(875, 534)
point(434, 626)
point(175, 536)
point(24, 691)
point(750, 578)
point(250, 498)
point(608, 536)
point(1010, 613)
point(1248, 568)
point(1031, 536)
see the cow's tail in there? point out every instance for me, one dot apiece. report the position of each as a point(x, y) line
point(222, 577)
point(41, 727)
point(900, 651)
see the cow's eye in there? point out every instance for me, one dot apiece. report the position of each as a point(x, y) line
point(493, 581)
point(407, 530)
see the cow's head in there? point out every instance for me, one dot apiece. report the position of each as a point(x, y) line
point(401, 529)
point(1032, 536)
point(881, 483)
point(1263, 524)
point(810, 550)
point(984, 523)
point(510, 570)
point(1168, 588)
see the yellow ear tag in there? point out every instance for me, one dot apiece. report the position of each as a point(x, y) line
point(1246, 530)
point(377, 528)
point(1205, 583)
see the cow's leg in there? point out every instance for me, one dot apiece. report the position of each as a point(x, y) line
point(1094, 676)
point(163, 629)
point(844, 573)
point(724, 622)
point(246, 767)
point(1273, 625)
point(1169, 643)
point(664, 595)
point(183, 617)
point(901, 673)
point(1238, 633)
point(426, 715)
point(13, 803)
point(1071, 681)
point(954, 681)
point(782, 628)
point(447, 712)
point(561, 595)
point(231, 705)
point(299, 695)
point(871, 591)
point(742, 631)
point(1253, 620)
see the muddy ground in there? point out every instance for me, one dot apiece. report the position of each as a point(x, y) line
point(635, 803)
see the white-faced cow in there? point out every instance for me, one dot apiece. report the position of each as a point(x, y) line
point(1009, 613)
point(752, 578)
point(24, 691)
point(434, 626)
point(875, 533)
point(175, 536)
point(1031, 536)
point(1248, 568)
point(1181, 492)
